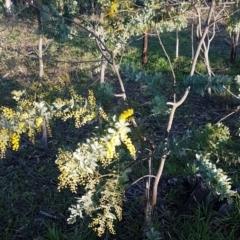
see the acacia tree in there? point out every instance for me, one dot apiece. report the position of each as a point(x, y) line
point(51, 27)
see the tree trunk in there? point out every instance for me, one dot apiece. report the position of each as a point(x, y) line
point(205, 32)
point(192, 42)
point(41, 72)
point(145, 49)
point(235, 38)
point(40, 45)
point(103, 68)
point(40, 52)
point(177, 44)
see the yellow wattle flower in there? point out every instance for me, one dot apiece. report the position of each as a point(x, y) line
point(39, 122)
point(126, 114)
point(15, 139)
point(21, 127)
point(113, 9)
point(103, 114)
point(8, 113)
point(3, 141)
point(128, 142)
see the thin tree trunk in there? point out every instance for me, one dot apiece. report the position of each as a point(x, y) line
point(103, 68)
point(40, 52)
point(115, 67)
point(235, 38)
point(145, 49)
point(166, 151)
point(177, 44)
point(192, 42)
point(207, 62)
point(205, 32)
point(41, 72)
point(40, 45)
point(44, 134)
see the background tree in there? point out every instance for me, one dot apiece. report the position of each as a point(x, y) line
point(233, 29)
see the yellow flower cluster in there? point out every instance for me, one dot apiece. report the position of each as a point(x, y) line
point(67, 115)
point(26, 103)
point(126, 114)
point(77, 97)
point(15, 140)
point(77, 116)
point(120, 133)
point(8, 113)
point(103, 114)
point(39, 122)
point(70, 176)
point(111, 149)
point(64, 181)
point(21, 127)
point(3, 141)
point(46, 78)
point(98, 225)
point(113, 9)
point(118, 210)
point(112, 196)
point(24, 116)
point(81, 115)
point(64, 79)
point(103, 221)
point(88, 118)
point(110, 226)
point(31, 135)
point(128, 142)
point(49, 130)
point(91, 99)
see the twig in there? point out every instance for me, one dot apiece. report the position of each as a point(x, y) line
point(231, 93)
point(47, 215)
point(230, 114)
point(150, 176)
point(170, 64)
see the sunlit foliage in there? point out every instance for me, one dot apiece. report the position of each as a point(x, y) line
point(97, 165)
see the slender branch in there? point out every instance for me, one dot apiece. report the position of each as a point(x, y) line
point(230, 114)
point(231, 93)
point(83, 61)
point(166, 152)
point(175, 106)
point(119, 77)
point(145, 176)
point(210, 13)
point(100, 47)
point(170, 64)
point(167, 56)
point(47, 46)
point(47, 215)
